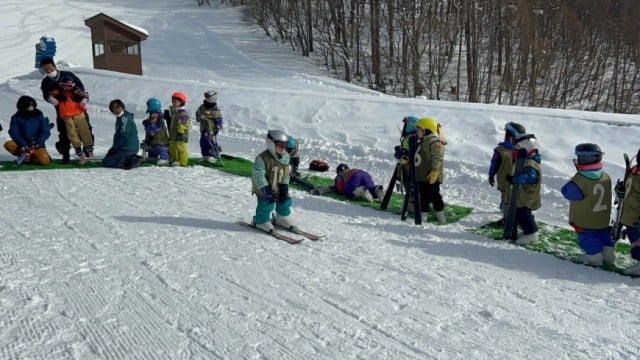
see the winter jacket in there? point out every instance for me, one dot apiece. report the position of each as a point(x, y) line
point(346, 182)
point(264, 166)
point(156, 131)
point(126, 133)
point(209, 117)
point(631, 205)
point(69, 102)
point(429, 157)
point(48, 85)
point(29, 127)
point(179, 125)
point(589, 208)
point(531, 181)
point(502, 165)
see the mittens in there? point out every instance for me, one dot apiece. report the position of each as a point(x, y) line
point(268, 194)
point(433, 176)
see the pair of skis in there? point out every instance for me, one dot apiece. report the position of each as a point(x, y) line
point(616, 225)
point(408, 183)
point(510, 231)
point(280, 235)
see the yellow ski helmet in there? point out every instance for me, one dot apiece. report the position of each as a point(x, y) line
point(427, 123)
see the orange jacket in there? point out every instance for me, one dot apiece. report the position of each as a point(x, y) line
point(67, 106)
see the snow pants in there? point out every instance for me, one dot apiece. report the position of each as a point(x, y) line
point(63, 145)
point(78, 131)
point(179, 151)
point(526, 220)
point(265, 208)
point(121, 159)
point(40, 156)
point(593, 240)
point(430, 194)
point(360, 178)
point(159, 151)
point(634, 237)
point(206, 145)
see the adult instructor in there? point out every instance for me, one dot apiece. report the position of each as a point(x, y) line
point(48, 85)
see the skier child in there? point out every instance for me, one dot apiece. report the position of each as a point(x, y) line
point(270, 182)
point(156, 138)
point(429, 164)
point(589, 193)
point(530, 180)
point(293, 149)
point(502, 164)
point(179, 125)
point(631, 214)
point(356, 183)
point(210, 119)
point(29, 130)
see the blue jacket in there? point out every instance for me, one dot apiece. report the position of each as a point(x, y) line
point(126, 135)
point(27, 128)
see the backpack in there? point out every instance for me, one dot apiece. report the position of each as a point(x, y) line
point(318, 165)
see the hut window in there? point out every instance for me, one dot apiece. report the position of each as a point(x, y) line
point(98, 48)
point(124, 47)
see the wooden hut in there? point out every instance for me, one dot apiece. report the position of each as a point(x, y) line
point(116, 45)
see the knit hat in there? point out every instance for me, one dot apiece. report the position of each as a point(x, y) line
point(24, 102)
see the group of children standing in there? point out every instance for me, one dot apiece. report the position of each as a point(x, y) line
point(167, 132)
point(589, 193)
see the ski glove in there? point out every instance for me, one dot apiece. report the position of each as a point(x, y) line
point(400, 152)
point(283, 192)
point(83, 104)
point(179, 137)
point(53, 101)
point(620, 190)
point(433, 176)
point(268, 194)
point(492, 180)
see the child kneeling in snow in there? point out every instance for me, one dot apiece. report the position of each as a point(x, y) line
point(123, 153)
point(356, 183)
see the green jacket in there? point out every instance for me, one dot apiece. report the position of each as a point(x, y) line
point(269, 171)
point(529, 194)
point(594, 211)
point(631, 205)
point(429, 157)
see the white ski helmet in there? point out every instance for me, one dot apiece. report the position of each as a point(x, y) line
point(276, 136)
point(526, 141)
point(211, 96)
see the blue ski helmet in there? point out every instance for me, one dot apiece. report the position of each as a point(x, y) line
point(588, 153)
point(154, 105)
point(291, 142)
point(410, 122)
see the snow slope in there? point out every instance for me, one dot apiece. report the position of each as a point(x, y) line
point(149, 264)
